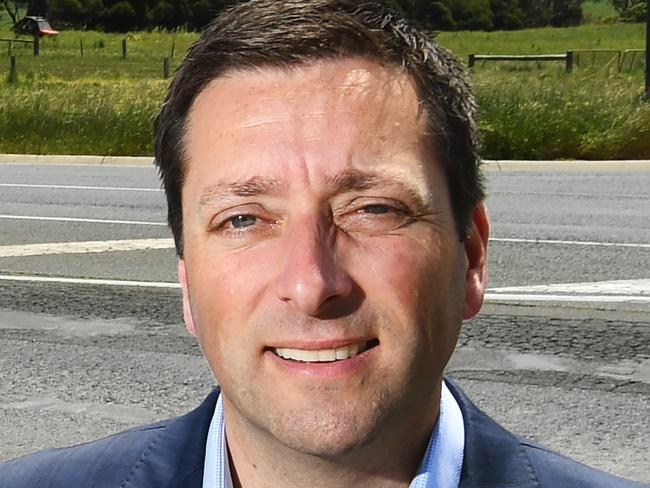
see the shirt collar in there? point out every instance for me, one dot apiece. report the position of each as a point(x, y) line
point(440, 467)
point(216, 466)
point(443, 461)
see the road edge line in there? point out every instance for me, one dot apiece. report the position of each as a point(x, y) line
point(488, 165)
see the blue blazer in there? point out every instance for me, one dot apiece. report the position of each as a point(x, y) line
point(169, 454)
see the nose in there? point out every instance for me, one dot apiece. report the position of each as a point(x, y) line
point(311, 280)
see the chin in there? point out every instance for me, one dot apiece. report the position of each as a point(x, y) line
point(328, 433)
point(332, 446)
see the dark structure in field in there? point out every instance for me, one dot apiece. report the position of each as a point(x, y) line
point(34, 26)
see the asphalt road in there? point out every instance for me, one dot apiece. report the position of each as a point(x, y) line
point(560, 353)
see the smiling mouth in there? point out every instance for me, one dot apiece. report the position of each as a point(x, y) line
point(324, 355)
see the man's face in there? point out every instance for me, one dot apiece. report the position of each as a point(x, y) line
point(322, 271)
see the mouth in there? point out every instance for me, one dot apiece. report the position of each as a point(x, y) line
point(324, 355)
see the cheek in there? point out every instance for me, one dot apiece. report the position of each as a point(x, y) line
point(225, 289)
point(402, 270)
point(414, 284)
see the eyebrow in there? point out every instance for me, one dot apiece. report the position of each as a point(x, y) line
point(355, 180)
point(257, 185)
point(350, 180)
point(346, 181)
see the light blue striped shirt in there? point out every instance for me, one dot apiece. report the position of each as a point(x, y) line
point(440, 467)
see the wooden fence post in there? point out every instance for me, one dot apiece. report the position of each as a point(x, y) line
point(37, 44)
point(81, 47)
point(569, 61)
point(12, 69)
point(173, 49)
point(166, 67)
point(123, 48)
point(471, 61)
point(647, 51)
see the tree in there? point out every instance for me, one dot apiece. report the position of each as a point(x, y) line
point(402, 6)
point(37, 8)
point(473, 14)
point(141, 9)
point(434, 14)
point(164, 15)
point(507, 14)
point(120, 17)
point(566, 13)
point(76, 13)
point(201, 12)
point(631, 10)
point(13, 7)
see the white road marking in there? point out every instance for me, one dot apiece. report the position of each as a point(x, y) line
point(75, 187)
point(570, 243)
point(493, 295)
point(84, 247)
point(569, 194)
point(616, 287)
point(523, 297)
point(629, 291)
point(77, 219)
point(89, 281)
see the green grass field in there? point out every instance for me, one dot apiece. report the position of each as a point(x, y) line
point(62, 103)
point(599, 10)
point(546, 40)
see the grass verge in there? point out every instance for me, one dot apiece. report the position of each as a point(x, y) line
point(105, 105)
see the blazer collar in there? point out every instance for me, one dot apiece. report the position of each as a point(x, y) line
point(493, 456)
point(175, 457)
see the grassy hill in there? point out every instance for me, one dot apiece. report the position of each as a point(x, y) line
point(599, 10)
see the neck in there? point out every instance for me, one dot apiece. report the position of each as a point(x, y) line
point(389, 460)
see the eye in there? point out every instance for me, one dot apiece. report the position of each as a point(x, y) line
point(376, 209)
point(373, 215)
point(241, 221)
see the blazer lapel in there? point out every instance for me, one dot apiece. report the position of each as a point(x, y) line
point(175, 457)
point(493, 456)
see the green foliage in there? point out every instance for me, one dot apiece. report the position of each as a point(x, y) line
point(164, 15)
point(558, 116)
point(76, 13)
point(127, 15)
point(124, 15)
point(472, 14)
point(85, 117)
point(13, 9)
point(491, 14)
point(102, 104)
point(631, 10)
point(433, 14)
point(120, 17)
point(507, 15)
point(566, 13)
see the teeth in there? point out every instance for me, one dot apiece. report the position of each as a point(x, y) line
point(327, 355)
point(342, 353)
point(320, 355)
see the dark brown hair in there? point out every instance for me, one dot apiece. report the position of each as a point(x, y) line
point(287, 33)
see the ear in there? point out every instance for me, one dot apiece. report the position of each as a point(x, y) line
point(476, 251)
point(187, 308)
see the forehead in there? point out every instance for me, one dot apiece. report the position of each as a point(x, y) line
point(339, 112)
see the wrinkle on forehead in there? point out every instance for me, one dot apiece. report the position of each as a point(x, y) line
point(364, 81)
point(291, 113)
